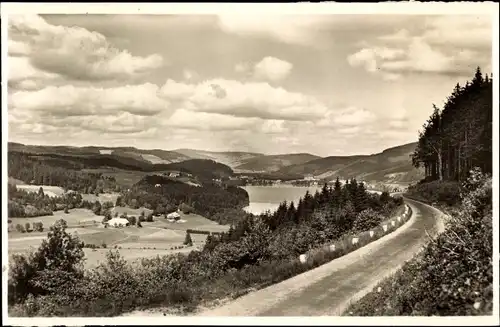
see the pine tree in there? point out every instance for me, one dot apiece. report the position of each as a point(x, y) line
point(188, 241)
point(337, 193)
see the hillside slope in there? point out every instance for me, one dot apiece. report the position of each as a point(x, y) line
point(232, 159)
point(154, 156)
point(391, 166)
point(270, 163)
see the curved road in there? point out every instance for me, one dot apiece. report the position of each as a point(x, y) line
point(328, 289)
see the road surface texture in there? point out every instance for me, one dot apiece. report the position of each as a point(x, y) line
point(330, 288)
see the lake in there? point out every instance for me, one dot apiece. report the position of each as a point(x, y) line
point(264, 198)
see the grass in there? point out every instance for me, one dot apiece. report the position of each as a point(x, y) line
point(130, 212)
point(74, 218)
point(103, 197)
point(51, 191)
point(152, 239)
point(192, 221)
point(15, 181)
point(124, 178)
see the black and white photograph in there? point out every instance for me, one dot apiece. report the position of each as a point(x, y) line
point(204, 161)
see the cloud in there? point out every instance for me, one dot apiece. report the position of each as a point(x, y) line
point(348, 117)
point(241, 67)
point(69, 100)
point(189, 75)
point(207, 121)
point(273, 69)
point(460, 31)
point(239, 99)
point(447, 45)
point(22, 74)
point(74, 52)
point(290, 28)
point(306, 30)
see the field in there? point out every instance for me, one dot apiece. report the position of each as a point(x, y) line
point(130, 211)
point(103, 197)
point(155, 238)
point(51, 191)
point(124, 178)
point(75, 218)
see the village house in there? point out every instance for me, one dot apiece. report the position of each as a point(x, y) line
point(117, 222)
point(174, 174)
point(309, 177)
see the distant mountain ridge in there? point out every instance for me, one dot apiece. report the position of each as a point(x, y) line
point(392, 165)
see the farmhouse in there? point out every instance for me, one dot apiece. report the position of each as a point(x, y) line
point(173, 215)
point(174, 174)
point(118, 222)
point(309, 177)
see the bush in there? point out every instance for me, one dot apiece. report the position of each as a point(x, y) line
point(56, 263)
point(38, 227)
point(20, 228)
point(188, 241)
point(366, 219)
point(132, 220)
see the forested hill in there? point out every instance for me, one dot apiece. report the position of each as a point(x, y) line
point(164, 195)
point(458, 136)
point(391, 165)
point(68, 170)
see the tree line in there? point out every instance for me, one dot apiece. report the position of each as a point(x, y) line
point(458, 136)
point(32, 170)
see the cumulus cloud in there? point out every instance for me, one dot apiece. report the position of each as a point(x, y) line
point(74, 52)
point(305, 30)
point(272, 68)
point(347, 118)
point(252, 99)
point(189, 75)
point(22, 75)
point(207, 121)
point(141, 100)
point(290, 28)
point(448, 45)
point(241, 67)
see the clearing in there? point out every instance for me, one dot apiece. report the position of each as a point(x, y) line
point(51, 191)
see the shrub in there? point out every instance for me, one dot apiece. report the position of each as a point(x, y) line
point(188, 241)
point(366, 219)
point(56, 263)
point(132, 220)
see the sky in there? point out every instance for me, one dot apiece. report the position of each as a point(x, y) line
point(321, 84)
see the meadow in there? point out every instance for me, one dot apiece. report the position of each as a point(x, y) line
point(51, 191)
point(159, 237)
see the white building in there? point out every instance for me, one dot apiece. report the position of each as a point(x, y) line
point(173, 215)
point(309, 177)
point(118, 222)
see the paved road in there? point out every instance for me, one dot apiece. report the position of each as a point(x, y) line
point(328, 289)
